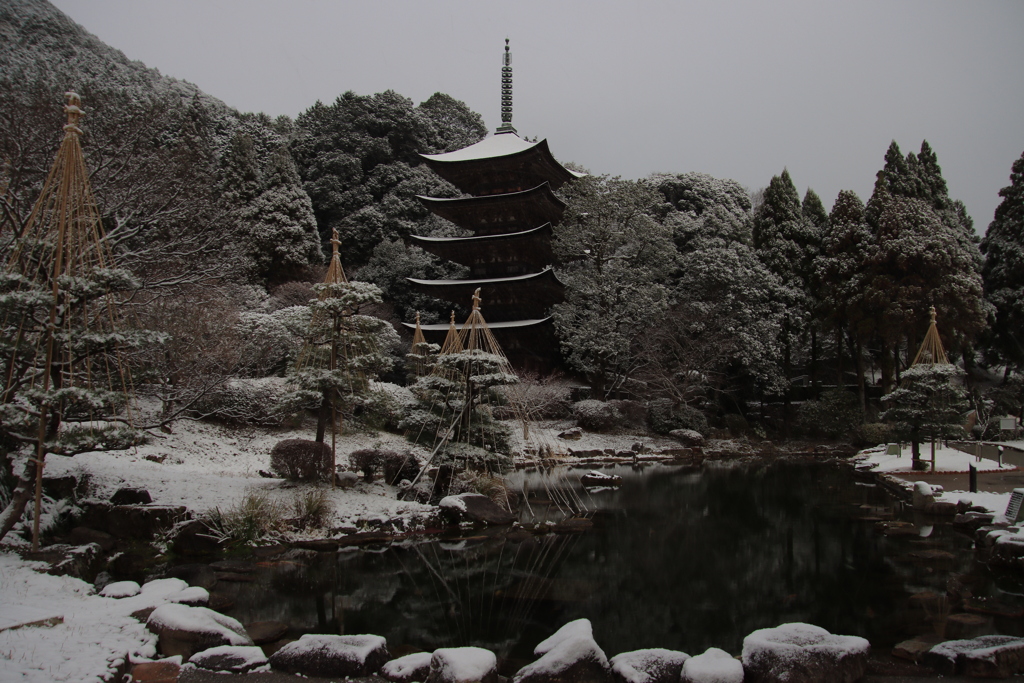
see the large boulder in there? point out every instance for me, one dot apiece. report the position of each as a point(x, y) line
point(414, 667)
point(714, 666)
point(688, 437)
point(183, 630)
point(476, 508)
point(570, 655)
point(137, 522)
point(655, 665)
point(325, 655)
point(463, 665)
point(230, 659)
point(984, 657)
point(803, 653)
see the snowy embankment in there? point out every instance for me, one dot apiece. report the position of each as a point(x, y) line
point(948, 460)
point(204, 466)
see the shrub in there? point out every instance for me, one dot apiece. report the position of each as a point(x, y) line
point(834, 414)
point(664, 416)
point(385, 405)
point(400, 466)
point(368, 460)
point(874, 433)
point(736, 424)
point(596, 416)
point(248, 402)
point(494, 487)
point(631, 413)
point(301, 460)
point(312, 507)
point(466, 456)
point(255, 518)
point(544, 398)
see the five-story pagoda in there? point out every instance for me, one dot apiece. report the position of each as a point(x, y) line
point(510, 210)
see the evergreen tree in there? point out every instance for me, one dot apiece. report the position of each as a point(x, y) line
point(282, 238)
point(813, 210)
point(841, 273)
point(614, 257)
point(930, 402)
point(1003, 272)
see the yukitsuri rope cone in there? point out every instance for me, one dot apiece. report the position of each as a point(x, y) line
point(420, 352)
point(63, 251)
point(931, 351)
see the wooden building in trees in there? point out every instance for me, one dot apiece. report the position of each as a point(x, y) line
point(510, 210)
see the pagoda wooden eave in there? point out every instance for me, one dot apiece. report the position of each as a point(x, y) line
point(529, 247)
point(520, 297)
point(507, 325)
point(486, 168)
point(500, 213)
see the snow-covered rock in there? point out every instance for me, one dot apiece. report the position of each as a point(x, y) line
point(475, 507)
point(193, 595)
point(184, 630)
point(655, 665)
point(714, 666)
point(120, 589)
point(326, 655)
point(229, 658)
point(570, 655)
point(923, 495)
point(463, 665)
point(414, 667)
point(983, 657)
point(803, 653)
point(688, 437)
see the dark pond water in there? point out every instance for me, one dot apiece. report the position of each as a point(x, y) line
point(677, 559)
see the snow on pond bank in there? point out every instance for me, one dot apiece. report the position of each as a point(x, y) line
point(204, 466)
point(947, 460)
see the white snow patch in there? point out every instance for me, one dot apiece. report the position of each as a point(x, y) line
point(403, 667)
point(581, 628)
point(947, 459)
point(462, 664)
point(456, 503)
point(198, 620)
point(121, 589)
point(714, 666)
point(241, 657)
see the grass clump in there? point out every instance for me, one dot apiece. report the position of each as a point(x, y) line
point(255, 519)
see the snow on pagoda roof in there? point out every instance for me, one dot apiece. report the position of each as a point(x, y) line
point(500, 145)
point(481, 238)
point(511, 324)
point(497, 145)
point(486, 281)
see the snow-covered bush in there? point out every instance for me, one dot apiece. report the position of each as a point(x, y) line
point(400, 467)
point(664, 416)
point(736, 424)
point(248, 401)
point(301, 460)
point(835, 414)
point(633, 414)
point(481, 460)
point(385, 405)
point(596, 416)
point(369, 460)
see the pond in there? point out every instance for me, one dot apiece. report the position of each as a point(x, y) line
point(677, 558)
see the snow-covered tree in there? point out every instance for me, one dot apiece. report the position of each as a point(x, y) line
point(1003, 272)
point(614, 256)
point(703, 211)
point(841, 277)
point(278, 227)
point(930, 402)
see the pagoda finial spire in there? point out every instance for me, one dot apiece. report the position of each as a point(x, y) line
point(506, 93)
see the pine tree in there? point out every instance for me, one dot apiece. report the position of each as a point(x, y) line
point(813, 210)
point(1003, 272)
point(930, 402)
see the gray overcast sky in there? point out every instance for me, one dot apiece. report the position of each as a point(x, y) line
point(735, 89)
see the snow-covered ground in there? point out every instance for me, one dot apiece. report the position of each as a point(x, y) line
point(947, 460)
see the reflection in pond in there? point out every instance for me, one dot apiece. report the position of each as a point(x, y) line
point(677, 559)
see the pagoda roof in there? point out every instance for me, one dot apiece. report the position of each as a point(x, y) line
point(503, 162)
point(506, 298)
point(500, 213)
point(532, 247)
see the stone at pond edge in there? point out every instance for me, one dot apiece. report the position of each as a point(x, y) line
point(572, 434)
point(475, 507)
point(233, 566)
point(655, 665)
point(966, 625)
point(573, 526)
point(81, 535)
point(915, 648)
point(77, 561)
point(463, 665)
point(688, 437)
point(183, 630)
point(713, 665)
point(412, 667)
point(1002, 652)
point(156, 672)
point(570, 655)
point(326, 655)
point(263, 632)
point(803, 653)
point(140, 522)
point(131, 496)
point(195, 538)
point(231, 659)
